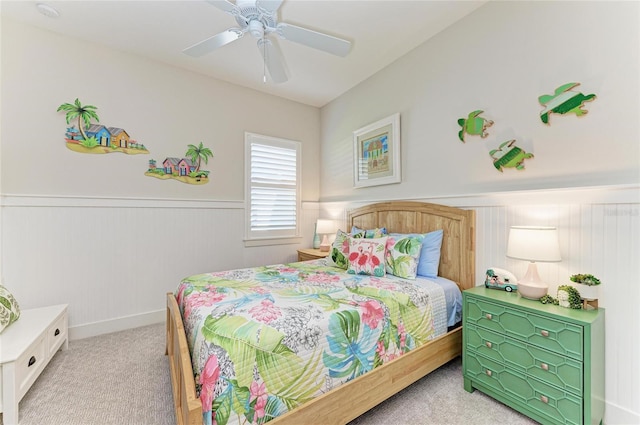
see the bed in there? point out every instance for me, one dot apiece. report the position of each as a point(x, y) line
point(344, 403)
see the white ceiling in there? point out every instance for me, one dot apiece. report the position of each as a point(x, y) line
point(381, 32)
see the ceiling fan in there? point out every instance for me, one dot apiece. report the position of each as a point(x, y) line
point(259, 18)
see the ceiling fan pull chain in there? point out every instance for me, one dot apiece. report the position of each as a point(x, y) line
point(264, 62)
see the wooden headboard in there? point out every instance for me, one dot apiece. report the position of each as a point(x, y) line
point(457, 257)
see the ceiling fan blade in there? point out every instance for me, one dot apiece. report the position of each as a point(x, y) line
point(223, 5)
point(213, 43)
point(317, 40)
point(269, 5)
point(273, 60)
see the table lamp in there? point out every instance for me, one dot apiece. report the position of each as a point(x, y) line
point(325, 227)
point(534, 244)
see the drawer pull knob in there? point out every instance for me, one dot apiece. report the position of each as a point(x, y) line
point(544, 399)
point(488, 372)
point(32, 361)
point(544, 366)
point(544, 333)
point(488, 344)
point(489, 316)
point(57, 332)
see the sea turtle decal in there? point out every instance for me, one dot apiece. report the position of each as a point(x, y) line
point(564, 101)
point(509, 156)
point(474, 125)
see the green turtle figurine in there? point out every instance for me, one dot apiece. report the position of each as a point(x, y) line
point(564, 101)
point(509, 156)
point(474, 124)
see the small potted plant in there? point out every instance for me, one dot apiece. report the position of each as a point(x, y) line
point(587, 285)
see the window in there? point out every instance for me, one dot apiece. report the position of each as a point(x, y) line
point(272, 188)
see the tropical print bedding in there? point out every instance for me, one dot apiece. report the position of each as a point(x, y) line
point(264, 340)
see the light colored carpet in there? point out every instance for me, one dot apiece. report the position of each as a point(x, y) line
point(123, 379)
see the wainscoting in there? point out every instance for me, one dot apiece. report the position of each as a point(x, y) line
point(113, 260)
point(599, 231)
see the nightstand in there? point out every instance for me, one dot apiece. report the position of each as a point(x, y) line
point(311, 254)
point(542, 360)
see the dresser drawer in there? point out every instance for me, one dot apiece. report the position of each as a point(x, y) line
point(556, 405)
point(561, 371)
point(29, 365)
point(554, 335)
point(57, 334)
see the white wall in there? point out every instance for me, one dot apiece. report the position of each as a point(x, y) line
point(92, 230)
point(500, 59)
point(161, 106)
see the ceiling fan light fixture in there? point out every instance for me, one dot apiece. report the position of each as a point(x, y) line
point(256, 29)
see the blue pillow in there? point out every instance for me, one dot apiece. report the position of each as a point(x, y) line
point(430, 254)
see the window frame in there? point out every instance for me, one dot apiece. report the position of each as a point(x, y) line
point(271, 237)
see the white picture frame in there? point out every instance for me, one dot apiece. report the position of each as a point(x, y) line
point(376, 153)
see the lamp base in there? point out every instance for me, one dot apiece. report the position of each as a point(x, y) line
point(325, 246)
point(531, 291)
point(531, 287)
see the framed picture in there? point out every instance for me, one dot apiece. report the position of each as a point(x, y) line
point(376, 153)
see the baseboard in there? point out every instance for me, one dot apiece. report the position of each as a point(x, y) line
point(115, 325)
point(617, 415)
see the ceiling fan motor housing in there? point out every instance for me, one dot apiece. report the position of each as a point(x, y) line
point(257, 20)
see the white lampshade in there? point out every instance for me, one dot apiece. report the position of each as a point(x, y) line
point(539, 244)
point(325, 227)
point(534, 244)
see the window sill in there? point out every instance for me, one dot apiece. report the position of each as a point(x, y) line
point(272, 241)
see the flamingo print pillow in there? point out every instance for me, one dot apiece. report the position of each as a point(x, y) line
point(366, 256)
point(403, 254)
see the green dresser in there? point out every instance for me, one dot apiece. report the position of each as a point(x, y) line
point(544, 361)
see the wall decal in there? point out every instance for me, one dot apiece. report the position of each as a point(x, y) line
point(508, 155)
point(186, 170)
point(564, 101)
point(474, 125)
point(96, 138)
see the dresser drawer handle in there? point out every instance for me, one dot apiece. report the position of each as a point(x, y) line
point(57, 332)
point(544, 399)
point(544, 333)
point(544, 366)
point(489, 316)
point(32, 361)
point(488, 344)
point(489, 372)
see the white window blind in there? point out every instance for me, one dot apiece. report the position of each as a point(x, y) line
point(273, 187)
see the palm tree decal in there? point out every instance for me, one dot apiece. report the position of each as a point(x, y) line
point(82, 113)
point(199, 153)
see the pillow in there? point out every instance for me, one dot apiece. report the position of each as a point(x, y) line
point(339, 251)
point(9, 309)
point(369, 234)
point(430, 254)
point(366, 256)
point(403, 253)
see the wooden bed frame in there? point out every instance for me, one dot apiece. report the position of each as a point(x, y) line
point(347, 402)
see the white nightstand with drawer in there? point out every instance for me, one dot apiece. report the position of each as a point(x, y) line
point(25, 349)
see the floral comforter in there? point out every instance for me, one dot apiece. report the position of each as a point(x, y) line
point(265, 340)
